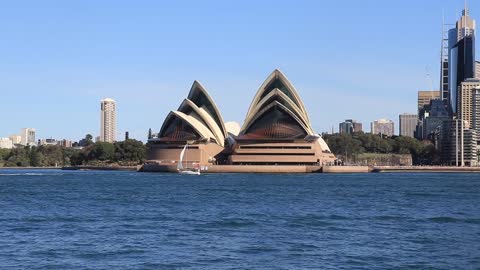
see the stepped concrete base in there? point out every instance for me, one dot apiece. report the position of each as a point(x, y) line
point(346, 169)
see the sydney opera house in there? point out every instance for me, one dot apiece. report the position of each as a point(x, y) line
point(276, 135)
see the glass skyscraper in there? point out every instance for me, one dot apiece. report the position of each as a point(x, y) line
point(461, 56)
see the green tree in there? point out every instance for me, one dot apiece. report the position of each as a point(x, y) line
point(36, 158)
point(87, 141)
point(130, 150)
point(19, 157)
point(102, 151)
point(4, 153)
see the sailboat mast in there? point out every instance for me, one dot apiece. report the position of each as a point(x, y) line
point(186, 157)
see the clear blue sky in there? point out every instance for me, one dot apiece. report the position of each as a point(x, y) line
point(348, 59)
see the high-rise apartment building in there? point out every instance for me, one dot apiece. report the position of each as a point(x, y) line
point(465, 100)
point(424, 98)
point(349, 126)
point(408, 123)
point(28, 136)
point(382, 127)
point(108, 120)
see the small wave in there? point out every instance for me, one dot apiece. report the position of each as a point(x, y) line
point(337, 217)
point(232, 223)
point(311, 220)
point(29, 174)
point(444, 219)
point(394, 218)
point(422, 194)
point(258, 249)
point(454, 220)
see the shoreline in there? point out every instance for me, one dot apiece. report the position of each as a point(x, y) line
point(273, 169)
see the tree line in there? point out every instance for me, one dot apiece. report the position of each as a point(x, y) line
point(128, 152)
point(350, 145)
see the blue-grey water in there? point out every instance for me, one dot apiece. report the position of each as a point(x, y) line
point(126, 220)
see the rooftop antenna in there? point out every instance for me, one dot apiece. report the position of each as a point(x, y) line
point(465, 10)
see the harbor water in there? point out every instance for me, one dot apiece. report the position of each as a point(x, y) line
point(52, 219)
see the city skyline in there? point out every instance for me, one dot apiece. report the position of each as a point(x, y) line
point(78, 56)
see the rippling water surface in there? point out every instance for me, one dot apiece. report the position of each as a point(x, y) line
point(125, 220)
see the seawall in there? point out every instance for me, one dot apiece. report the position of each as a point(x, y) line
point(150, 167)
point(424, 169)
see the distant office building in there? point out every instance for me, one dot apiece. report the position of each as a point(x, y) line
point(459, 145)
point(28, 136)
point(65, 143)
point(6, 143)
point(408, 123)
point(382, 127)
point(476, 110)
point(424, 98)
point(465, 100)
point(16, 139)
point(108, 120)
point(432, 118)
point(350, 126)
point(47, 142)
point(357, 127)
point(477, 70)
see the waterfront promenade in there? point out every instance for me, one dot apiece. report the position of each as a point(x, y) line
point(271, 169)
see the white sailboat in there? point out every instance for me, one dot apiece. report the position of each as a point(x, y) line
point(186, 170)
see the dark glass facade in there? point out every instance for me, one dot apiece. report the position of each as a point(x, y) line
point(462, 57)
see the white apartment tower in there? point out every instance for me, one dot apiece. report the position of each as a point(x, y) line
point(28, 136)
point(108, 120)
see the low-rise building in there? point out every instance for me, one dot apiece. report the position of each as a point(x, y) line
point(65, 143)
point(16, 139)
point(6, 143)
point(47, 142)
point(383, 127)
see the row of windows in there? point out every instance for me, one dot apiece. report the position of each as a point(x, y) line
point(278, 163)
point(276, 154)
point(274, 147)
point(177, 147)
